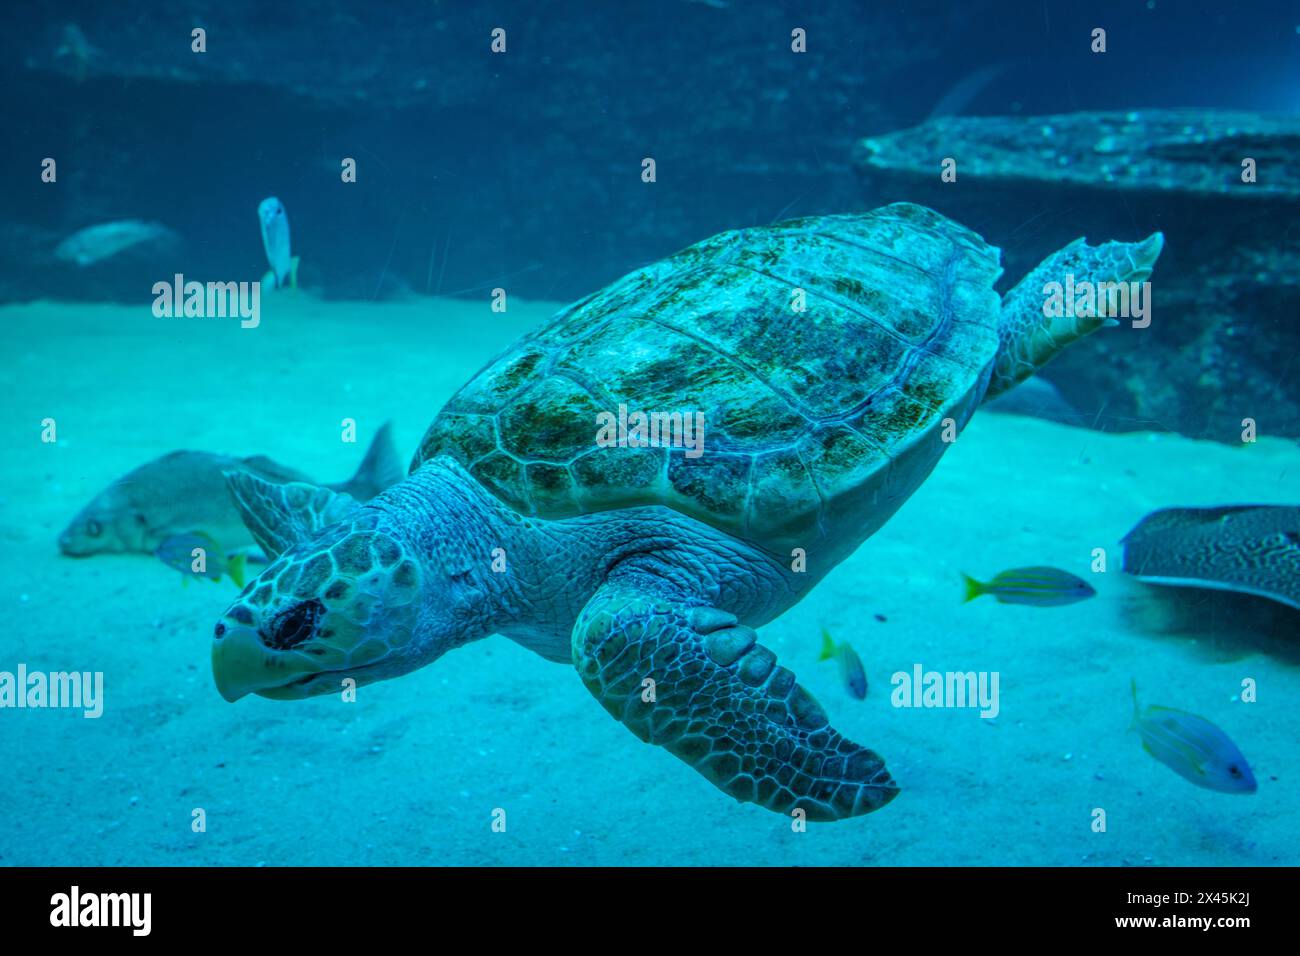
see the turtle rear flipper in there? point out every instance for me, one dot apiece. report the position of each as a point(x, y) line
point(719, 702)
point(1028, 338)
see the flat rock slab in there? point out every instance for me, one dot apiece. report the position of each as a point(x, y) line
point(1190, 152)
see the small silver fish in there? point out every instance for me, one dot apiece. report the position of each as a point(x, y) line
point(183, 551)
point(851, 669)
point(95, 243)
point(1037, 586)
point(186, 491)
point(275, 240)
point(1192, 747)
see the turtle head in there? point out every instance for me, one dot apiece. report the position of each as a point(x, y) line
point(343, 598)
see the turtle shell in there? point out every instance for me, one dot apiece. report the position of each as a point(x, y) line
point(821, 355)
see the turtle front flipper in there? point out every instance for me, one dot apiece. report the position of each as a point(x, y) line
point(691, 679)
point(280, 515)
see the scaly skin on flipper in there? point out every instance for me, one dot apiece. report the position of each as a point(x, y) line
point(306, 509)
point(721, 703)
point(1027, 339)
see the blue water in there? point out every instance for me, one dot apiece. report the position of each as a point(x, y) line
point(491, 189)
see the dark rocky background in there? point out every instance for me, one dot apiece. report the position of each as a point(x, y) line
point(523, 169)
point(472, 166)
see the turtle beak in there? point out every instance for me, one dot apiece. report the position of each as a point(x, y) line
point(242, 665)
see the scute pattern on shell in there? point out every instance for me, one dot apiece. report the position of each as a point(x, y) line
point(809, 415)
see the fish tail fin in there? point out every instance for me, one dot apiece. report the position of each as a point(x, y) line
point(235, 568)
point(828, 646)
point(380, 469)
point(293, 273)
point(973, 588)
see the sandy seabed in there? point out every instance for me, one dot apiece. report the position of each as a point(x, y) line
point(412, 772)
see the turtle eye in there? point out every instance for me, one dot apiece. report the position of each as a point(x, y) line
point(293, 627)
point(94, 529)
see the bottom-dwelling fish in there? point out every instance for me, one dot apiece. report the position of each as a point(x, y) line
point(186, 491)
point(1039, 586)
point(1254, 549)
point(1192, 747)
point(195, 554)
point(851, 670)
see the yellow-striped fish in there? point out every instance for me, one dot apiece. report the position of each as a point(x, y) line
point(1192, 747)
point(851, 669)
point(196, 554)
point(1038, 586)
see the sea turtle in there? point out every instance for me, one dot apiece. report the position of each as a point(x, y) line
point(831, 358)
